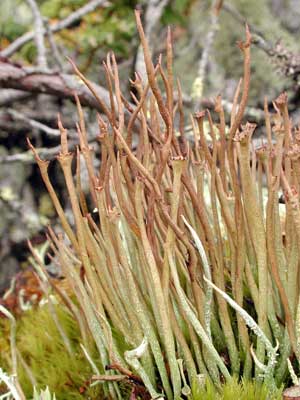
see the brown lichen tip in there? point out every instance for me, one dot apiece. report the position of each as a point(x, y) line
point(76, 99)
point(43, 164)
point(281, 100)
point(177, 158)
point(291, 195)
point(278, 128)
point(294, 152)
point(113, 214)
point(262, 152)
point(201, 164)
point(73, 64)
point(199, 114)
point(273, 153)
point(32, 148)
point(297, 134)
point(99, 188)
point(244, 45)
point(102, 126)
point(218, 104)
point(246, 132)
point(137, 13)
point(140, 178)
point(159, 61)
point(137, 79)
point(63, 137)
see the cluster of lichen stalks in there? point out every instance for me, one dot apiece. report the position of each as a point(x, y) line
point(180, 224)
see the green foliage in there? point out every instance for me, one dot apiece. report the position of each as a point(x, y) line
point(11, 30)
point(109, 28)
point(13, 20)
point(245, 390)
point(29, 52)
point(53, 8)
point(176, 12)
point(43, 350)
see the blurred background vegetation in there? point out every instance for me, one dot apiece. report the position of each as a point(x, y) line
point(25, 207)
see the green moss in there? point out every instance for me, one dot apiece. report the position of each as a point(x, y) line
point(43, 349)
point(246, 390)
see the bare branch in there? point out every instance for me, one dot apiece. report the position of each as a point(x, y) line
point(56, 55)
point(39, 34)
point(62, 85)
point(28, 157)
point(9, 96)
point(58, 26)
point(48, 153)
point(33, 123)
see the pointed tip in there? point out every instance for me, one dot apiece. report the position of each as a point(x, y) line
point(101, 121)
point(76, 98)
point(137, 12)
point(218, 103)
point(247, 43)
point(63, 136)
point(199, 115)
point(138, 9)
point(248, 35)
point(75, 68)
point(29, 244)
point(71, 61)
point(59, 124)
point(159, 61)
point(32, 148)
point(29, 142)
point(79, 108)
